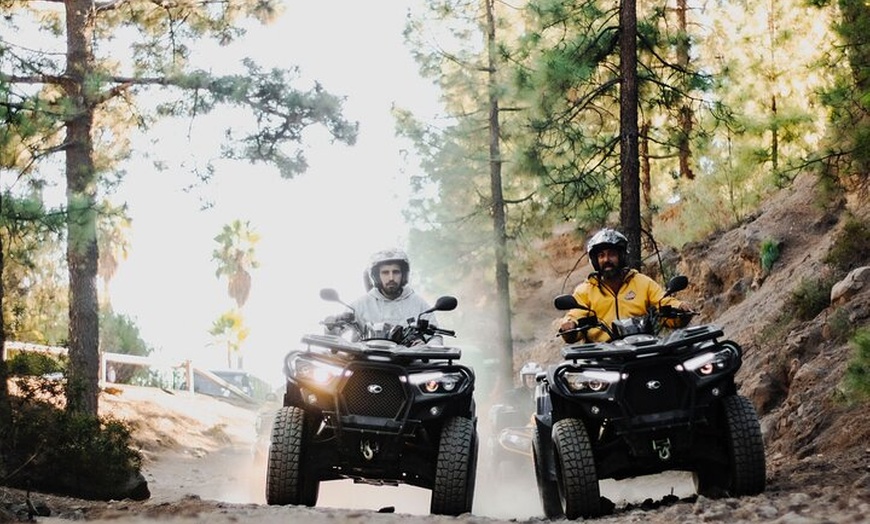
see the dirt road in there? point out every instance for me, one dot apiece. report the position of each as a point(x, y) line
point(202, 466)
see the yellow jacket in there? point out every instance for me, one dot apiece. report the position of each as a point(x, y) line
point(634, 297)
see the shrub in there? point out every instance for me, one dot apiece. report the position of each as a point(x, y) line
point(49, 449)
point(769, 254)
point(851, 248)
point(810, 297)
point(29, 363)
point(857, 378)
point(841, 326)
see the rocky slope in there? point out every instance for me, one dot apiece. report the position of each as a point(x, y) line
point(792, 369)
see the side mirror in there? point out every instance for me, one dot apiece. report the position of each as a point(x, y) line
point(566, 302)
point(445, 303)
point(330, 295)
point(677, 283)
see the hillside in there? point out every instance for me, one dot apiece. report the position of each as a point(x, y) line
point(792, 370)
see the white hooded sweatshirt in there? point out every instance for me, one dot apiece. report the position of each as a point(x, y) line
point(374, 307)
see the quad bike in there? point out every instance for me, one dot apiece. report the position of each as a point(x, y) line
point(644, 403)
point(375, 404)
point(509, 441)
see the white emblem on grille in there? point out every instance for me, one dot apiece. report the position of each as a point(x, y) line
point(653, 384)
point(374, 388)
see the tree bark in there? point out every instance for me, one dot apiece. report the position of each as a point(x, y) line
point(502, 276)
point(687, 115)
point(5, 407)
point(628, 153)
point(81, 179)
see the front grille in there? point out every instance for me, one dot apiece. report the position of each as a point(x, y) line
point(656, 388)
point(373, 393)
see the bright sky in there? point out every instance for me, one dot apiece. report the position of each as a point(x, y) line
point(316, 230)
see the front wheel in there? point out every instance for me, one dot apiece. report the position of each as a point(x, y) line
point(547, 489)
point(453, 492)
point(287, 478)
point(578, 480)
point(745, 447)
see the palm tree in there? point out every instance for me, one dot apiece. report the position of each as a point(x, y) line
point(113, 247)
point(235, 258)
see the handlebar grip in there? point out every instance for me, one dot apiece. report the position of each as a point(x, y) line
point(448, 332)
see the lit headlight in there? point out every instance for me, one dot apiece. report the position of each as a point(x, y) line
point(589, 381)
point(437, 382)
point(709, 363)
point(313, 372)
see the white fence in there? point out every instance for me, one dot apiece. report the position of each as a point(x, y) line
point(107, 371)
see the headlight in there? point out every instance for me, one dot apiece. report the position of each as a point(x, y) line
point(437, 382)
point(313, 372)
point(589, 381)
point(707, 364)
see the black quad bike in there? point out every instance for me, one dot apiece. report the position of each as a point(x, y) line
point(369, 403)
point(509, 431)
point(645, 402)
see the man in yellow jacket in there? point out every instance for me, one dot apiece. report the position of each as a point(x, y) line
point(613, 291)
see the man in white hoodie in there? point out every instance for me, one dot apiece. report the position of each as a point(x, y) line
point(390, 300)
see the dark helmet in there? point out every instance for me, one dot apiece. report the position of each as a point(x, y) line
point(607, 238)
point(388, 256)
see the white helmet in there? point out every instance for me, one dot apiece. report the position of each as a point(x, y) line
point(529, 372)
point(388, 256)
point(607, 238)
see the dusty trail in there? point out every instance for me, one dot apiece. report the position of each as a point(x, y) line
point(202, 467)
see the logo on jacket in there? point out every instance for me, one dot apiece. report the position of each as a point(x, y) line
point(630, 295)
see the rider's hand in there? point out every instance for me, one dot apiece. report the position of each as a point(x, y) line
point(565, 331)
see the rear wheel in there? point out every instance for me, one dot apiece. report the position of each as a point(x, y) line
point(547, 489)
point(287, 478)
point(578, 481)
point(453, 492)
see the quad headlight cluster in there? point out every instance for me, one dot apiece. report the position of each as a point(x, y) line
point(312, 372)
point(438, 381)
point(712, 362)
point(589, 380)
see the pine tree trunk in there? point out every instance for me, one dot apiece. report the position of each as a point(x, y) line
point(628, 154)
point(81, 179)
point(5, 408)
point(502, 276)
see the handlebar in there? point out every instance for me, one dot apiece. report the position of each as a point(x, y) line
point(655, 320)
point(445, 332)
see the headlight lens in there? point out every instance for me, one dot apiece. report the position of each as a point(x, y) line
point(437, 382)
point(707, 364)
point(313, 372)
point(589, 381)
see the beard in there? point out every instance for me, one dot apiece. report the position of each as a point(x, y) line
point(392, 290)
point(609, 271)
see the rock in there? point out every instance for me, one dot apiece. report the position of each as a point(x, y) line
point(850, 286)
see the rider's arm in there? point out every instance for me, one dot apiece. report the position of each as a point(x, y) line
point(570, 320)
